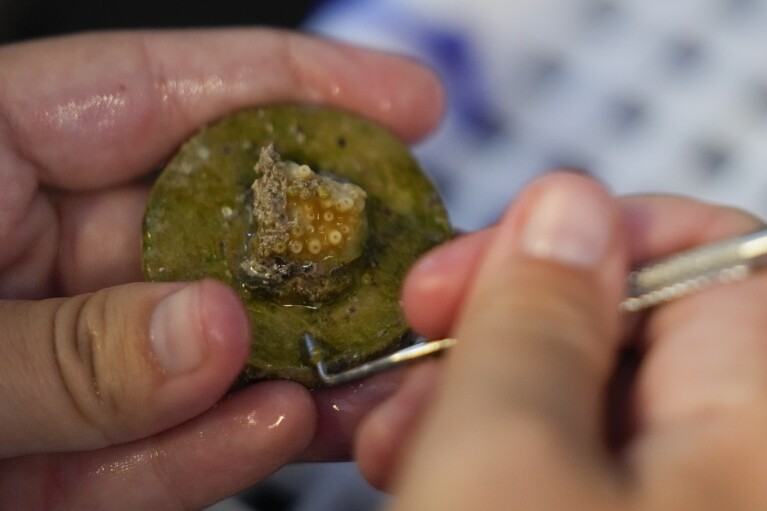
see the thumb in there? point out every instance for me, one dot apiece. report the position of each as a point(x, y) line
point(541, 318)
point(537, 335)
point(115, 365)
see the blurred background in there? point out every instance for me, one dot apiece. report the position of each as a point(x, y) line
point(646, 95)
point(24, 19)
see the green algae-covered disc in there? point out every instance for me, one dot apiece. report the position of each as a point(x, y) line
point(200, 222)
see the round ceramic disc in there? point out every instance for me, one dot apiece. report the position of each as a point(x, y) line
point(199, 219)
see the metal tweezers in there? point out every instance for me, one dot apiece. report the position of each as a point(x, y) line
point(661, 281)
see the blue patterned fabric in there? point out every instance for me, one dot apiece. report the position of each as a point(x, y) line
point(648, 95)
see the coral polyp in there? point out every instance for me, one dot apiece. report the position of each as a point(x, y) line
point(319, 217)
point(306, 227)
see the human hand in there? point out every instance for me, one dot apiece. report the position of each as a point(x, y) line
point(532, 411)
point(108, 385)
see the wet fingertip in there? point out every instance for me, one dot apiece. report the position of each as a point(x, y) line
point(224, 319)
point(384, 433)
point(436, 285)
point(257, 430)
point(430, 102)
point(287, 411)
point(370, 450)
point(199, 336)
point(370, 82)
point(422, 283)
point(341, 410)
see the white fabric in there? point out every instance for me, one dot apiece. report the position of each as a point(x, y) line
point(648, 95)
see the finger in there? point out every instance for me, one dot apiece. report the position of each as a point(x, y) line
point(523, 391)
point(73, 243)
point(548, 286)
point(699, 396)
point(662, 224)
point(100, 236)
point(239, 442)
point(340, 411)
point(91, 110)
point(116, 365)
point(384, 434)
point(29, 238)
point(435, 287)
point(699, 362)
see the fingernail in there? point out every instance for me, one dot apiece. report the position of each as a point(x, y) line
point(175, 334)
point(569, 223)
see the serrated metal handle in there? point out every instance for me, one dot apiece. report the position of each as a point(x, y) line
point(686, 272)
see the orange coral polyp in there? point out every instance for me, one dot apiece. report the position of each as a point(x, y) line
point(320, 229)
point(304, 216)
